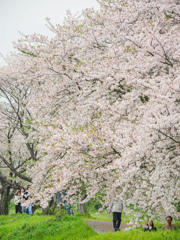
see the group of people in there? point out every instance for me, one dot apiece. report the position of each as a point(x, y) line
point(20, 199)
point(117, 207)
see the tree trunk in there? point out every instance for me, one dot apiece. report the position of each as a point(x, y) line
point(51, 207)
point(5, 198)
point(82, 208)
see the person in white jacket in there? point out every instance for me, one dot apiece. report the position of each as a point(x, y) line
point(17, 201)
point(117, 206)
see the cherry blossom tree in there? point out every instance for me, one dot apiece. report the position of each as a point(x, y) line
point(17, 144)
point(107, 105)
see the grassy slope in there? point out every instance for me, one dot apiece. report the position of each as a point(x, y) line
point(24, 227)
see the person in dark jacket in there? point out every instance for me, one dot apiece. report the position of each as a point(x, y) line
point(150, 226)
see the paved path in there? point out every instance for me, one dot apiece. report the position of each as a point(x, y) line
point(102, 227)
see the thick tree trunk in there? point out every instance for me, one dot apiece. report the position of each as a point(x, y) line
point(5, 198)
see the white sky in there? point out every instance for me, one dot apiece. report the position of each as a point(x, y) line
point(28, 16)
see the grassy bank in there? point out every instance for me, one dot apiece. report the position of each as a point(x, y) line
point(24, 227)
point(47, 227)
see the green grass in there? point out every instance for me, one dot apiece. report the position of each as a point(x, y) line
point(138, 235)
point(25, 227)
point(39, 226)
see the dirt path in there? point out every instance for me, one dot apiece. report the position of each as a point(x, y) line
point(102, 227)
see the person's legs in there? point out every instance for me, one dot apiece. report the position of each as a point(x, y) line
point(115, 220)
point(19, 208)
point(16, 208)
point(30, 209)
point(25, 209)
point(118, 219)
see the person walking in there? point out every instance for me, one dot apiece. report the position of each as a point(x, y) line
point(117, 206)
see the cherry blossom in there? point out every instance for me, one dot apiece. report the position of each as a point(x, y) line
point(106, 105)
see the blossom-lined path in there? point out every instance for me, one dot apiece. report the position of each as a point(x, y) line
point(102, 227)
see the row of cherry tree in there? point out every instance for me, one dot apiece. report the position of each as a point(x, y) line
point(102, 105)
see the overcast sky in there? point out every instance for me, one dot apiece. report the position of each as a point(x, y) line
point(28, 16)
